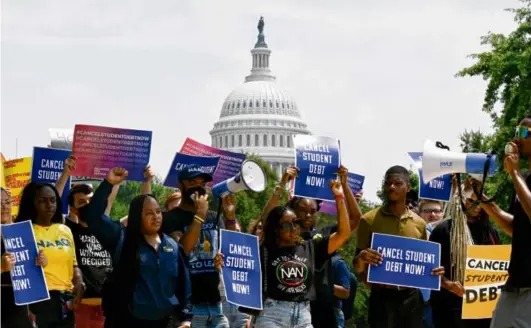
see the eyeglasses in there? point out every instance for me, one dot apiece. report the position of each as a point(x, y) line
point(522, 132)
point(289, 226)
point(430, 210)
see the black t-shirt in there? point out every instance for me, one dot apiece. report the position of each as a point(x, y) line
point(520, 265)
point(93, 260)
point(290, 271)
point(203, 275)
point(483, 233)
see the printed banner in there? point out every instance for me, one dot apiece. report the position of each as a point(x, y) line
point(439, 188)
point(486, 272)
point(318, 159)
point(229, 163)
point(241, 272)
point(28, 279)
point(355, 183)
point(17, 174)
point(199, 163)
point(407, 262)
point(99, 149)
point(48, 164)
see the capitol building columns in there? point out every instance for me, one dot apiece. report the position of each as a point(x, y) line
point(258, 117)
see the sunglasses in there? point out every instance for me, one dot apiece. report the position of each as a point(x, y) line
point(289, 226)
point(522, 132)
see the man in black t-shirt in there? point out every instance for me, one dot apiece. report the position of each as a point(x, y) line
point(514, 307)
point(201, 250)
point(93, 260)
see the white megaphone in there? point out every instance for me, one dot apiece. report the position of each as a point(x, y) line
point(437, 162)
point(251, 177)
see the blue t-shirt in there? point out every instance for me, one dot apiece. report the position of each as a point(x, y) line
point(342, 278)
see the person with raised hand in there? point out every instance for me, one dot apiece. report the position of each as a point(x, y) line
point(288, 295)
point(41, 204)
point(150, 283)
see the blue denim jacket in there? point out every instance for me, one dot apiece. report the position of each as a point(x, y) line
point(164, 282)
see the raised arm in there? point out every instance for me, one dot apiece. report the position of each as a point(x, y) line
point(107, 231)
point(337, 239)
point(278, 191)
point(512, 166)
point(229, 213)
point(145, 189)
point(354, 211)
point(502, 218)
point(69, 165)
point(111, 198)
point(190, 238)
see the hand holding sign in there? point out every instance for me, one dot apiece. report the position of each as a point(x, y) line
point(8, 262)
point(290, 174)
point(455, 287)
point(370, 256)
point(343, 176)
point(336, 188)
point(148, 174)
point(70, 165)
point(116, 176)
point(218, 261)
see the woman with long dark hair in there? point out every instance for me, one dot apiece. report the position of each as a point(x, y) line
point(289, 264)
point(13, 316)
point(150, 280)
point(41, 204)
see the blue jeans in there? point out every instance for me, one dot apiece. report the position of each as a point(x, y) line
point(340, 317)
point(236, 318)
point(282, 314)
point(428, 317)
point(209, 316)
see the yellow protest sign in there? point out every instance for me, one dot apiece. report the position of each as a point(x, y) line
point(17, 174)
point(2, 179)
point(485, 274)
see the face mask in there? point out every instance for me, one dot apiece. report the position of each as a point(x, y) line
point(189, 192)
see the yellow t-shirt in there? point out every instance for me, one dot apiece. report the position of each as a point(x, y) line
point(57, 243)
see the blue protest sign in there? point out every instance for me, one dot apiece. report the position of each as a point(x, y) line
point(199, 163)
point(439, 188)
point(318, 159)
point(241, 272)
point(47, 166)
point(407, 262)
point(28, 279)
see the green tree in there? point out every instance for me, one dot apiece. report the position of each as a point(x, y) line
point(506, 66)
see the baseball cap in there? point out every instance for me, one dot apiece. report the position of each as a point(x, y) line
point(190, 172)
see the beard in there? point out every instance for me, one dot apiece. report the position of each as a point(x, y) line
point(192, 190)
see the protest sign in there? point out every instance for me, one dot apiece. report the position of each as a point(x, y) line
point(439, 188)
point(27, 278)
point(17, 175)
point(2, 177)
point(48, 164)
point(229, 163)
point(241, 272)
point(99, 149)
point(318, 160)
point(407, 262)
point(198, 163)
point(485, 273)
point(355, 183)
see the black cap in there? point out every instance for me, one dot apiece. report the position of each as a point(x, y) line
point(190, 172)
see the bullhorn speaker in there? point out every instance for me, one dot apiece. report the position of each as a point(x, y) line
point(251, 177)
point(437, 162)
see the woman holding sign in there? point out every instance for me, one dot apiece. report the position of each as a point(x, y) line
point(41, 204)
point(13, 316)
point(289, 263)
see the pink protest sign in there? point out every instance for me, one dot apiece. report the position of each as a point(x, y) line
point(229, 163)
point(99, 149)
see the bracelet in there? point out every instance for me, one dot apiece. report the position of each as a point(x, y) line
point(278, 190)
point(338, 197)
point(198, 219)
point(230, 222)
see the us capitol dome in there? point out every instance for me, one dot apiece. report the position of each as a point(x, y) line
point(258, 117)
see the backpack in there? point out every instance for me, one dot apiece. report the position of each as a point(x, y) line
point(347, 304)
